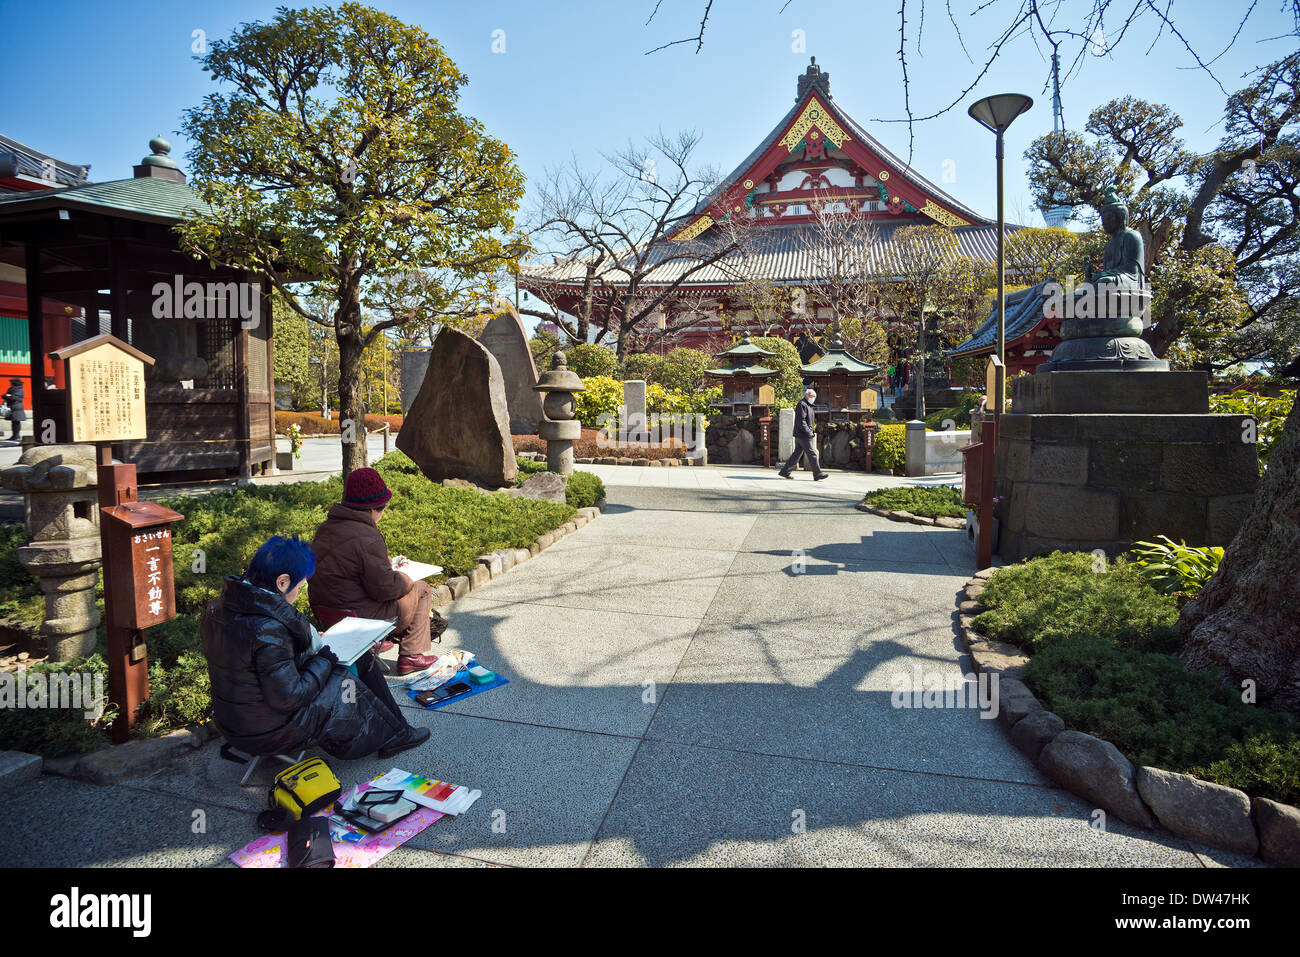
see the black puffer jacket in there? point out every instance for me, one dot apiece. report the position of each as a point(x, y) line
point(262, 702)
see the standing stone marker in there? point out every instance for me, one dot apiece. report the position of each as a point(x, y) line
point(506, 339)
point(785, 434)
point(458, 425)
point(634, 416)
point(415, 363)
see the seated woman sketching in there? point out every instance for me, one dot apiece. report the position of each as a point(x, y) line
point(271, 692)
point(356, 573)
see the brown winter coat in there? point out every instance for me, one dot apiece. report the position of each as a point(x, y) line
point(353, 569)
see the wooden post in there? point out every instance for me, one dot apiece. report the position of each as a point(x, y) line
point(36, 339)
point(128, 662)
point(984, 540)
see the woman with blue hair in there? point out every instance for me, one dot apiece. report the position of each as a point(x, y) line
point(272, 691)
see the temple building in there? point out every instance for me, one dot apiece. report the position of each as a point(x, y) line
point(102, 257)
point(841, 380)
point(816, 155)
point(1033, 330)
point(744, 378)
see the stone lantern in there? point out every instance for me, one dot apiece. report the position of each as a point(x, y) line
point(558, 427)
point(64, 552)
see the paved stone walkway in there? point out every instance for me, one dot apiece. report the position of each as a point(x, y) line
point(681, 694)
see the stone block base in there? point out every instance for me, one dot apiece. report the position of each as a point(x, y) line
point(1085, 482)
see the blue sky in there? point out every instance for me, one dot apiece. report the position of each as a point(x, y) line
point(91, 82)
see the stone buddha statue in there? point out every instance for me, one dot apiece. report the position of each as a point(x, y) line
point(1102, 327)
point(1123, 264)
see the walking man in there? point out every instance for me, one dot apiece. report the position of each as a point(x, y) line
point(805, 444)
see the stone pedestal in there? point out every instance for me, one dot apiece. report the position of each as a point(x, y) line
point(64, 551)
point(1090, 460)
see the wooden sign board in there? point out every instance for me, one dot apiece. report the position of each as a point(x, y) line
point(147, 596)
point(993, 383)
point(869, 399)
point(766, 395)
point(105, 389)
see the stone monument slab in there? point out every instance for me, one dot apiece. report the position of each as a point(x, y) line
point(507, 340)
point(459, 425)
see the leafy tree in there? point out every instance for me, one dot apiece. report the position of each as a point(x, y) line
point(1199, 292)
point(587, 360)
point(543, 345)
point(683, 370)
point(337, 157)
point(1244, 195)
point(1036, 255)
point(292, 355)
point(788, 382)
point(643, 365)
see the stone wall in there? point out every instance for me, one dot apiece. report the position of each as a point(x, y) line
point(1105, 479)
point(735, 440)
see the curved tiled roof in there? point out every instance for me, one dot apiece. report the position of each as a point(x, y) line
point(1024, 311)
point(780, 258)
point(145, 197)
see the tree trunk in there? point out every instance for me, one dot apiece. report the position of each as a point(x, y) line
point(1244, 624)
point(352, 417)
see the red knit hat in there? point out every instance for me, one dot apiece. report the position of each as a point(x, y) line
point(364, 489)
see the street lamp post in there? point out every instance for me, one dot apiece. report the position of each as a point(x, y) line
point(996, 113)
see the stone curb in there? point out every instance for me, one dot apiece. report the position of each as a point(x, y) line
point(942, 521)
point(654, 463)
point(110, 765)
point(1095, 770)
point(497, 563)
point(113, 764)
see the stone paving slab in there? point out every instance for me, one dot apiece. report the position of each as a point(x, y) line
point(617, 577)
point(733, 809)
point(116, 826)
point(588, 674)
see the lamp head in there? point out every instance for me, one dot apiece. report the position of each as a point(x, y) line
point(997, 112)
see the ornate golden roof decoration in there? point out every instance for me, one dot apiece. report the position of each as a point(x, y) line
point(814, 114)
point(941, 215)
point(695, 228)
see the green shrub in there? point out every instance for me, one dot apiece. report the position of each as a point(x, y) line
point(661, 400)
point(21, 597)
point(683, 371)
point(583, 490)
point(890, 449)
point(788, 382)
point(959, 414)
point(56, 731)
point(1267, 766)
point(643, 365)
point(930, 502)
point(1057, 595)
point(1270, 414)
point(588, 359)
point(1157, 713)
point(1176, 568)
point(603, 396)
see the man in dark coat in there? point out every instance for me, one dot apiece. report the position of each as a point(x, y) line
point(805, 443)
point(355, 573)
point(17, 415)
point(270, 693)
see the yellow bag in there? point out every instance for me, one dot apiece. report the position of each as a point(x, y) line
point(305, 788)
